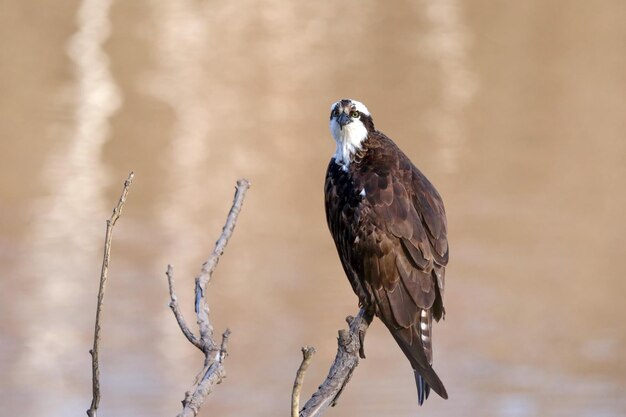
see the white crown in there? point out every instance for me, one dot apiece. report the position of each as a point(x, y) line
point(357, 104)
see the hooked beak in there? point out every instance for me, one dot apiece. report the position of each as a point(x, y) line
point(343, 120)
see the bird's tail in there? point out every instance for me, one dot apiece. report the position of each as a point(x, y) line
point(425, 376)
point(423, 389)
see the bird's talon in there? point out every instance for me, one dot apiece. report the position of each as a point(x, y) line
point(362, 344)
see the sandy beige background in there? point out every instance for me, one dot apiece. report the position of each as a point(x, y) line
point(515, 110)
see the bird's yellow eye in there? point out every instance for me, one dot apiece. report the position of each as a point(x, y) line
point(355, 114)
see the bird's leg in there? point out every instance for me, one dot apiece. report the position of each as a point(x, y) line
point(368, 316)
point(362, 341)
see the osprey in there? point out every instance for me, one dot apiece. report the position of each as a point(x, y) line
point(389, 225)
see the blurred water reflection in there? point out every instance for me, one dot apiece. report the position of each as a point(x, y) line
point(515, 111)
point(62, 244)
point(447, 43)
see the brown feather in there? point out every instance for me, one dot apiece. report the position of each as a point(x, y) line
point(402, 307)
point(388, 223)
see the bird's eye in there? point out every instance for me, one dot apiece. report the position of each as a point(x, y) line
point(354, 114)
point(336, 112)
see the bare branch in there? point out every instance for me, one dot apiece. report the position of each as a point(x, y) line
point(203, 279)
point(213, 371)
point(212, 374)
point(117, 211)
point(176, 310)
point(349, 349)
point(307, 356)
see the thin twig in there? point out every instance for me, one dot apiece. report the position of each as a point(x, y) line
point(307, 356)
point(176, 310)
point(203, 279)
point(349, 349)
point(213, 371)
point(117, 211)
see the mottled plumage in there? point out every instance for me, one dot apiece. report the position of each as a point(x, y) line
point(389, 225)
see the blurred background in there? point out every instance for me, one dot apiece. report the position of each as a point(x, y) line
point(515, 110)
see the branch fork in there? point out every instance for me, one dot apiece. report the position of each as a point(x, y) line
point(349, 351)
point(213, 371)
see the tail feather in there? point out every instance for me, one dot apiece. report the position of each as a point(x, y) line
point(425, 376)
point(423, 389)
point(425, 379)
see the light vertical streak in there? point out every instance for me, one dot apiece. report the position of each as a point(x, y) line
point(447, 43)
point(63, 245)
point(182, 45)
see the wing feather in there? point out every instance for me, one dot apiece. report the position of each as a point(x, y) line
point(418, 284)
point(402, 306)
point(390, 229)
point(406, 232)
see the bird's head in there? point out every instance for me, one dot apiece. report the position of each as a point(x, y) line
point(350, 123)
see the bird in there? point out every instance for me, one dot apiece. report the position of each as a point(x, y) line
point(389, 226)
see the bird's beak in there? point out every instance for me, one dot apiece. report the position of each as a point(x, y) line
point(343, 120)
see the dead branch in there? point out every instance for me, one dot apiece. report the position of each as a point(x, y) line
point(176, 310)
point(117, 211)
point(349, 349)
point(307, 356)
point(213, 371)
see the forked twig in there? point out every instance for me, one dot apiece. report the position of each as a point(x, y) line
point(213, 371)
point(349, 350)
point(117, 211)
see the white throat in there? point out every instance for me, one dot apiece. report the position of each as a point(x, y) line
point(349, 139)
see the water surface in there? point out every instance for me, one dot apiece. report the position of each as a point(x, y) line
point(515, 110)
